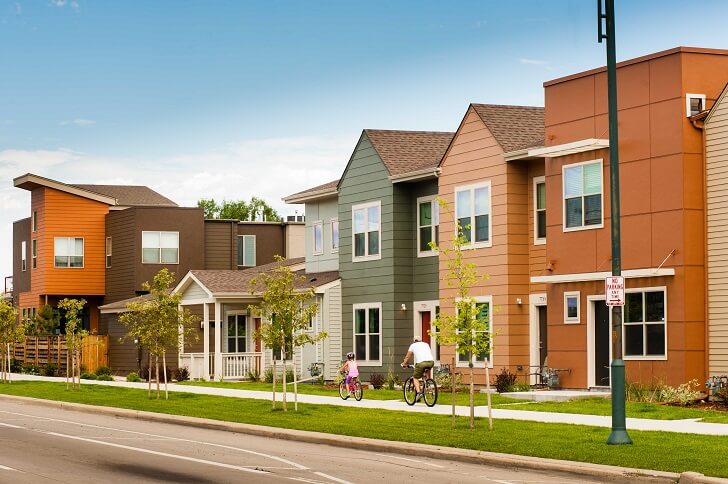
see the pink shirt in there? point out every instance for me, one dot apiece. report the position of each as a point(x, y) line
point(353, 368)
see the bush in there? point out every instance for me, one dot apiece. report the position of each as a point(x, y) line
point(105, 377)
point(504, 381)
point(15, 366)
point(521, 387)
point(133, 377)
point(445, 381)
point(392, 380)
point(88, 376)
point(103, 370)
point(658, 392)
point(377, 380)
point(146, 376)
point(253, 375)
point(268, 376)
point(722, 394)
point(51, 369)
point(30, 369)
point(182, 374)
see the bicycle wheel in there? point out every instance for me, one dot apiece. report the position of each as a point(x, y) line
point(430, 392)
point(410, 394)
point(343, 391)
point(358, 392)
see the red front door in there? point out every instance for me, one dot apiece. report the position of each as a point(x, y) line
point(425, 319)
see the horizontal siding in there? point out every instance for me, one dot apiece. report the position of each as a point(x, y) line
point(219, 246)
point(121, 275)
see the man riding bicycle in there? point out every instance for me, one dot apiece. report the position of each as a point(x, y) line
point(423, 360)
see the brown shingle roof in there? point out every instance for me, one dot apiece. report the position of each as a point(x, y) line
point(409, 151)
point(514, 127)
point(130, 195)
point(330, 186)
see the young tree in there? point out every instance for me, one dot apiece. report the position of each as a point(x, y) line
point(468, 327)
point(286, 308)
point(238, 209)
point(74, 338)
point(45, 322)
point(159, 323)
point(11, 333)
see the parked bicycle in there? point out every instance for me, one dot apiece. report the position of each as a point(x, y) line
point(428, 386)
point(354, 388)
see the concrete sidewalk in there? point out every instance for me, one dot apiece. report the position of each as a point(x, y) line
point(687, 426)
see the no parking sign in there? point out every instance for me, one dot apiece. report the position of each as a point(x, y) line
point(614, 290)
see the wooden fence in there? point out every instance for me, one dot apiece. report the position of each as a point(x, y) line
point(41, 350)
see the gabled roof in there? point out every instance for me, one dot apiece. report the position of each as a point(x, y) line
point(514, 127)
point(320, 191)
point(130, 195)
point(120, 306)
point(717, 103)
point(404, 152)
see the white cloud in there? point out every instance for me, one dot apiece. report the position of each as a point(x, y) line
point(78, 122)
point(536, 62)
point(59, 3)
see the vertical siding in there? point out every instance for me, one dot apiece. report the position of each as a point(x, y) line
point(324, 211)
point(124, 255)
point(332, 325)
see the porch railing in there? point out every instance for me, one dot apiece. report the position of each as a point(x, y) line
point(234, 365)
point(195, 363)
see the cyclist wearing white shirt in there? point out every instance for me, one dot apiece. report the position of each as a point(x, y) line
point(423, 360)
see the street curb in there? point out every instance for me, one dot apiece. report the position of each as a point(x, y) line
point(582, 469)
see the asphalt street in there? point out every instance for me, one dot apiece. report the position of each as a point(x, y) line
point(41, 444)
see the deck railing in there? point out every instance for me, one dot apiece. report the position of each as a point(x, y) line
point(234, 365)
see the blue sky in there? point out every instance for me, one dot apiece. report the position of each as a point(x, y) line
point(238, 98)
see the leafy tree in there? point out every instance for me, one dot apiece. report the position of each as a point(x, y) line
point(209, 207)
point(238, 209)
point(45, 322)
point(74, 338)
point(11, 333)
point(286, 310)
point(468, 328)
point(159, 324)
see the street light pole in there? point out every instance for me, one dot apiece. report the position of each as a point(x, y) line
point(619, 434)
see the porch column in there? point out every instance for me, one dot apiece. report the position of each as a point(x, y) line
point(206, 341)
point(218, 340)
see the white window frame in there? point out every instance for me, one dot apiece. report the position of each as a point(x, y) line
point(434, 227)
point(108, 250)
point(480, 364)
point(83, 253)
point(365, 207)
point(643, 324)
point(536, 182)
point(576, 319)
point(366, 306)
point(472, 188)
point(255, 250)
point(248, 332)
point(34, 253)
point(319, 224)
point(563, 196)
point(24, 255)
point(688, 97)
point(335, 247)
point(34, 221)
point(159, 259)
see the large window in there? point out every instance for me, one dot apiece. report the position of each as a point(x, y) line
point(472, 208)
point(160, 247)
point(367, 230)
point(428, 215)
point(482, 313)
point(23, 256)
point(539, 210)
point(108, 252)
point(368, 332)
point(318, 237)
point(583, 195)
point(334, 235)
point(68, 251)
point(34, 252)
point(645, 330)
point(246, 250)
point(237, 334)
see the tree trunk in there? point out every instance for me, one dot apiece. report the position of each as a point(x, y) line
point(452, 388)
point(285, 403)
point(275, 371)
point(295, 383)
point(156, 366)
point(2, 365)
point(68, 366)
point(487, 389)
point(7, 367)
point(164, 369)
point(149, 377)
point(472, 397)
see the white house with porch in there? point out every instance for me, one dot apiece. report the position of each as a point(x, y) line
point(226, 348)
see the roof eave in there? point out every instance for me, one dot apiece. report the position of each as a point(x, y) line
point(30, 182)
point(522, 154)
point(423, 174)
point(580, 146)
point(311, 196)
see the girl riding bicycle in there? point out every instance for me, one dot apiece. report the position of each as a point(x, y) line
point(350, 369)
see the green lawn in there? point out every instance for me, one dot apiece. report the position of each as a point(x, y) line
point(651, 450)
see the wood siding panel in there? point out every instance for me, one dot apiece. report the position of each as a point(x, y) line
point(220, 246)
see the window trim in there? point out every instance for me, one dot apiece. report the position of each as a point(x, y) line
point(537, 180)
point(160, 232)
point(433, 203)
point(34, 221)
point(481, 364)
point(600, 225)
point(624, 341)
point(108, 252)
point(83, 255)
point(572, 320)
point(333, 221)
point(34, 253)
point(472, 187)
point(367, 306)
point(248, 334)
point(315, 225)
point(364, 206)
point(688, 97)
point(23, 255)
point(255, 250)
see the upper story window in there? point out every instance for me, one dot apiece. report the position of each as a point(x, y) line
point(368, 333)
point(645, 322)
point(68, 251)
point(472, 209)
point(367, 230)
point(108, 252)
point(334, 235)
point(34, 221)
point(246, 250)
point(34, 253)
point(539, 210)
point(160, 247)
point(318, 237)
point(428, 220)
point(23, 256)
point(694, 103)
point(583, 195)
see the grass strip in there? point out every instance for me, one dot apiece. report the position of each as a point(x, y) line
point(664, 451)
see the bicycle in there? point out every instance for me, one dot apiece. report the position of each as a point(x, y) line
point(427, 385)
point(354, 387)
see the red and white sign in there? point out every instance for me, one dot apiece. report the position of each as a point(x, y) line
point(614, 290)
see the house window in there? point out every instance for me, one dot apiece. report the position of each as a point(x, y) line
point(428, 215)
point(368, 332)
point(160, 247)
point(318, 237)
point(34, 221)
point(583, 195)
point(23, 256)
point(108, 252)
point(367, 229)
point(483, 314)
point(334, 235)
point(68, 251)
point(246, 250)
point(237, 333)
point(571, 307)
point(539, 210)
point(34, 252)
point(472, 208)
point(694, 103)
point(645, 334)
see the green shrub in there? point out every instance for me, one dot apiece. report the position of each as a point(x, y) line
point(504, 381)
point(445, 381)
point(133, 377)
point(392, 380)
point(268, 376)
point(51, 369)
point(658, 392)
point(88, 376)
point(521, 387)
point(253, 375)
point(182, 374)
point(103, 370)
point(105, 377)
point(377, 380)
point(15, 366)
point(30, 369)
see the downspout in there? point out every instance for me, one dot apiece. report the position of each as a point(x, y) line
point(699, 124)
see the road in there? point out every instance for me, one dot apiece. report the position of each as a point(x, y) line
point(41, 444)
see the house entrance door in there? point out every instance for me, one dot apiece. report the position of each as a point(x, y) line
point(601, 344)
point(543, 347)
point(425, 318)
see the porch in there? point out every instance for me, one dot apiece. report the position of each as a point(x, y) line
point(233, 366)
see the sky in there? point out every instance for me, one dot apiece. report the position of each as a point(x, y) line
point(231, 99)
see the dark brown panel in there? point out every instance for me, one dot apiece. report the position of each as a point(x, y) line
point(21, 279)
point(269, 240)
point(220, 248)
